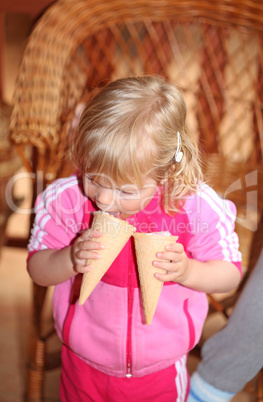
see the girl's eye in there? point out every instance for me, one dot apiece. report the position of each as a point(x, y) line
point(126, 193)
point(89, 179)
point(129, 191)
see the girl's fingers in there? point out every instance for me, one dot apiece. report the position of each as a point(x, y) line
point(166, 265)
point(169, 256)
point(89, 234)
point(168, 277)
point(96, 233)
point(91, 245)
point(82, 269)
point(176, 247)
point(87, 254)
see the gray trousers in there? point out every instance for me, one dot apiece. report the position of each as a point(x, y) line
point(234, 355)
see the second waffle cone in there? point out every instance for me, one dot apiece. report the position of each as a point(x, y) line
point(146, 246)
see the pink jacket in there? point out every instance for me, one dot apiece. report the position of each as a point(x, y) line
point(109, 331)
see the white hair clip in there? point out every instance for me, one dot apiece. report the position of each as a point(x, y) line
point(178, 154)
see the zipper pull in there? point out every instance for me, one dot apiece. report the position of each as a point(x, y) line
point(128, 375)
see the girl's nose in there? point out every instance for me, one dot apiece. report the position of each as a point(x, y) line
point(104, 197)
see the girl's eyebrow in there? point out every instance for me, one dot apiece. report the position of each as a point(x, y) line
point(125, 187)
point(128, 190)
point(129, 187)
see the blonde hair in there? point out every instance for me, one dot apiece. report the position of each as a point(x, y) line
point(129, 131)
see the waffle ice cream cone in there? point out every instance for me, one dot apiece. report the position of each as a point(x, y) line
point(116, 233)
point(146, 246)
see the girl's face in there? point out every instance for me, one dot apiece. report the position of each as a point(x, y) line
point(127, 200)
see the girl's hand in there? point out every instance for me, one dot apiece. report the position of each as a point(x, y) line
point(176, 264)
point(84, 248)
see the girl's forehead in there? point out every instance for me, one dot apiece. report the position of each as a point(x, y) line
point(118, 163)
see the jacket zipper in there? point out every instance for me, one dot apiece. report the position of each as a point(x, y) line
point(129, 324)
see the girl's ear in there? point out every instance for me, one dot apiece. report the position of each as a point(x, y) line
point(172, 168)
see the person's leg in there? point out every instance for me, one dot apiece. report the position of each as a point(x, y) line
point(234, 355)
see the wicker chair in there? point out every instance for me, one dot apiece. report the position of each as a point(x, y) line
point(243, 184)
point(213, 50)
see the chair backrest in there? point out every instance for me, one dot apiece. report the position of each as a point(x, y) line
point(213, 50)
point(241, 183)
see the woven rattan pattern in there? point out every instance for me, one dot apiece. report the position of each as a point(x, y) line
point(212, 50)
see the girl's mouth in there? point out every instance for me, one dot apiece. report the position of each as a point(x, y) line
point(116, 214)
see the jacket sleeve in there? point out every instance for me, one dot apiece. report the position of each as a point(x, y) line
point(59, 213)
point(212, 226)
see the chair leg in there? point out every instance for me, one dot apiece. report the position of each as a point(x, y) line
point(216, 305)
point(36, 374)
point(36, 363)
point(260, 386)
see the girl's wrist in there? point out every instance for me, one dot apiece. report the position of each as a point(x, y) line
point(188, 280)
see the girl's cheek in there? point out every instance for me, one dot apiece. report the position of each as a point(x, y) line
point(90, 192)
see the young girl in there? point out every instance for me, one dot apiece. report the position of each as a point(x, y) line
point(136, 159)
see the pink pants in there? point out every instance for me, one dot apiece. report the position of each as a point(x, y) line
point(81, 383)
